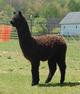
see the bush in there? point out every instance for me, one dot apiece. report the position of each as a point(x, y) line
point(39, 26)
point(56, 29)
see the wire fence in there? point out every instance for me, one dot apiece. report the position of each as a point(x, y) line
point(40, 27)
point(37, 28)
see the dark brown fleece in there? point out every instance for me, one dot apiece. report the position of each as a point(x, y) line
point(49, 47)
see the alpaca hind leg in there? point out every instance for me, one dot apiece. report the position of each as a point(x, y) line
point(62, 67)
point(52, 69)
point(35, 73)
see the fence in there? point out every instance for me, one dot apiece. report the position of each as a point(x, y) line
point(41, 28)
point(5, 33)
point(70, 38)
point(51, 26)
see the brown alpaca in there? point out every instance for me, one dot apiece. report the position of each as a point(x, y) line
point(51, 48)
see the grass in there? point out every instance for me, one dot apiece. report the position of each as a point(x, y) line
point(15, 72)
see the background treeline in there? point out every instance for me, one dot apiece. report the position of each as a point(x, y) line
point(38, 8)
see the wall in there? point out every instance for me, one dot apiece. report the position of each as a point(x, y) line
point(72, 29)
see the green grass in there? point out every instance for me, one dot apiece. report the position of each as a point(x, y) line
point(15, 72)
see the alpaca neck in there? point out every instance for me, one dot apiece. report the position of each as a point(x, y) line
point(24, 33)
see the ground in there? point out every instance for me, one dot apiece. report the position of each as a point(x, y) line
point(15, 72)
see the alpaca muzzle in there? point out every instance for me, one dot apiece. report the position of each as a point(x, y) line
point(13, 24)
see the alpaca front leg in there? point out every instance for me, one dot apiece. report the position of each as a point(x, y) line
point(35, 77)
point(35, 74)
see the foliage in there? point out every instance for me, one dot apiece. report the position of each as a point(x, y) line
point(39, 26)
point(56, 29)
point(39, 8)
point(49, 11)
point(61, 3)
point(73, 6)
point(5, 12)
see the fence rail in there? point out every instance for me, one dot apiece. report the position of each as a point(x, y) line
point(52, 26)
point(68, 38)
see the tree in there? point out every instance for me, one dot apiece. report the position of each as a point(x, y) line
point(49, 11)
point(60, 2)
point(72, 5)
point(5, 12)
point(40, 26)
point(40, 8)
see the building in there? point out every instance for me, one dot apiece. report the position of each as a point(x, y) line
point(70, 24)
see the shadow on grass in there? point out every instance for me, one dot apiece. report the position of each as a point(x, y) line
point(71, 84)
point(2, 92)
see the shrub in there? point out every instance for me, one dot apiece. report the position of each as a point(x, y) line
point(56, 29)
point(40, 26)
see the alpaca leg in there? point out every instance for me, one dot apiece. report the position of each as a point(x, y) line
point(52, 69)
point(35, 73)
point(62, 67)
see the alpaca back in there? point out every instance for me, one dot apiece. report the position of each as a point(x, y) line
point(45, 47)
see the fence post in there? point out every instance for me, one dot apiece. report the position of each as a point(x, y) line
point(79, 39)
point(31, 23)
point(68, 36)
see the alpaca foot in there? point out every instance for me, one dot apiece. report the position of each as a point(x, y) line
point(48, 80)
point(33, 84)
point(61, 82)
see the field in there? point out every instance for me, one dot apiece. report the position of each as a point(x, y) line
point(15, 72)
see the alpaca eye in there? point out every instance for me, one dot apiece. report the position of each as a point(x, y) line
point(15, 19)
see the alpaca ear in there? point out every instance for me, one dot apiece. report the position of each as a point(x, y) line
point(20, 13)
point(14, 12)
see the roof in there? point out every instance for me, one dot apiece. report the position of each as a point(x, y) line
point(71, 18)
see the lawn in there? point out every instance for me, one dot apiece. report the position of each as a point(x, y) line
point(15, 72)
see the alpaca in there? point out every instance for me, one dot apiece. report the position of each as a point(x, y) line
point(48, 47)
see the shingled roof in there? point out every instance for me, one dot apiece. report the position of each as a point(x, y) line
point(71, 18)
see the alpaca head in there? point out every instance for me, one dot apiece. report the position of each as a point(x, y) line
point(17, 20)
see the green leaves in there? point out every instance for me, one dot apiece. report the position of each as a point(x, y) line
point(49, 11)
point(5, 12)
point(39, 26)
point(37, 8)
point(73, 6)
